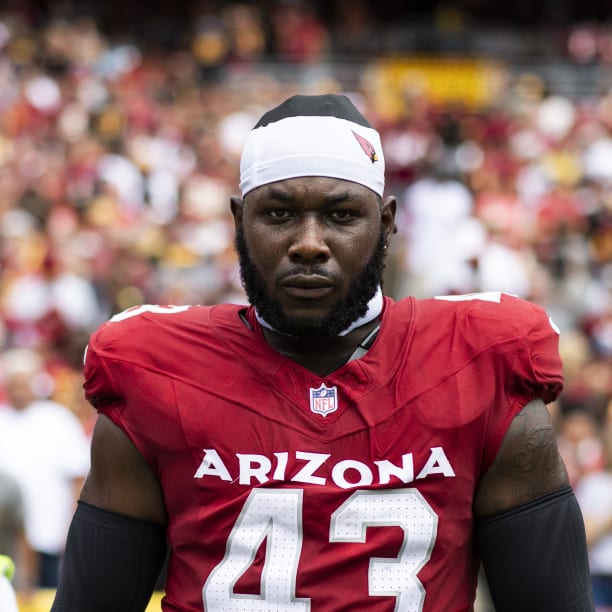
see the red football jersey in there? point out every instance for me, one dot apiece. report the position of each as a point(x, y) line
point(288, 492)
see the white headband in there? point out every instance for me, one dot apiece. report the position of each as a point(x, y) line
point(312, 146)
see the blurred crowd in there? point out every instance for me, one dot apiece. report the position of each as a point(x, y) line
point(116, 167)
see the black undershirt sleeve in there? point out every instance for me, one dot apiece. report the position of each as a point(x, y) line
point(111, 563)
point(535, 556)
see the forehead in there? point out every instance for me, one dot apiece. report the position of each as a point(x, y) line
point(321, 188)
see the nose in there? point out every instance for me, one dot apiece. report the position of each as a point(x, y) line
point(309, 244)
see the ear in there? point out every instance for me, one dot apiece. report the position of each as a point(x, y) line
point(236, 206)
point(388, 210)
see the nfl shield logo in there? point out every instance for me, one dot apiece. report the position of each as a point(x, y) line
point(324, 400)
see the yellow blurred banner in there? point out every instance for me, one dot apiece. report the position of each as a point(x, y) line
point(395, 82)
point(41, 602)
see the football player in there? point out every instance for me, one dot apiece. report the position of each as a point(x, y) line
point(326, 448)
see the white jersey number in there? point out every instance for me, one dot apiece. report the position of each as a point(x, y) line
point(277, 515)
point(153, 308)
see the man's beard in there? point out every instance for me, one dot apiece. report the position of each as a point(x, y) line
point(345, 312)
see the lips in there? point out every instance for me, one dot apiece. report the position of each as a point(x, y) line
point(308, 286)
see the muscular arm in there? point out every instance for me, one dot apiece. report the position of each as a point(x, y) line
point(529, 529)
point(120, 479)
point(527, 466)
point(116, 542)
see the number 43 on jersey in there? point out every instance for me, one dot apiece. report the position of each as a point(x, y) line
point(276, 515)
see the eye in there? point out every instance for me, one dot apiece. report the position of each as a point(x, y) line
point(342, 215)
point(279, 214)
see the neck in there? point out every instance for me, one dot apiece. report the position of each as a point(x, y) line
point(322, 355)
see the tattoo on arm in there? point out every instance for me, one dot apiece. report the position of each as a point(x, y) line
point(538, 451)
point(527, 465)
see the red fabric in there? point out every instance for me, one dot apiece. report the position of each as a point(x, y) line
point(434, 396)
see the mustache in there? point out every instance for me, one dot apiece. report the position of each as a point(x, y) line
point(307, 271)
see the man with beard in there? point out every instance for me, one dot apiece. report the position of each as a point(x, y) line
point(326, 448)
